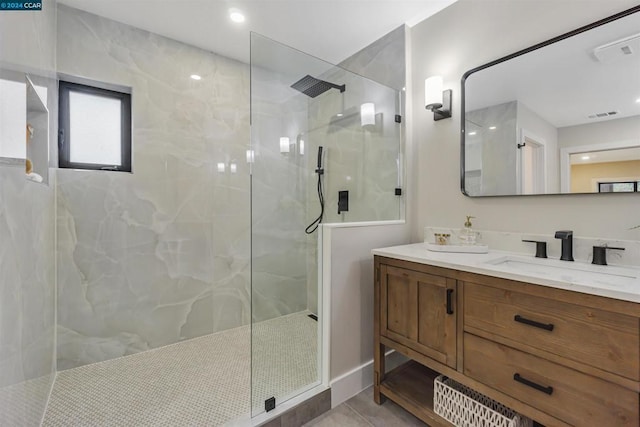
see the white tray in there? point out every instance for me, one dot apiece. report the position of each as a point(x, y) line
point(469, 249)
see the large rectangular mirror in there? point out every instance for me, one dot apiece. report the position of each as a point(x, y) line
point(560, 117)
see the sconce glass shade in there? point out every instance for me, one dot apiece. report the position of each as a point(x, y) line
point(233, 168)
point(367, 114)
point(250, 156)
point(284, 144)
point(301, 147)
point(433, 93)
point(221, 167)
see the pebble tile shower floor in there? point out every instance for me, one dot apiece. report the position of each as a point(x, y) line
point(204, 381)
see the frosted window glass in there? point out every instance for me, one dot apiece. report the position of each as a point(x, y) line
point(95, 129)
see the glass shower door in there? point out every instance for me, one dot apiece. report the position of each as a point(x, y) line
point(320, 135)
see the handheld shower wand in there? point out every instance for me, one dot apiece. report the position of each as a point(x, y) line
point(320, 171)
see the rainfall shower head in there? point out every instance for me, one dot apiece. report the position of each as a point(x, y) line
point(313, 87)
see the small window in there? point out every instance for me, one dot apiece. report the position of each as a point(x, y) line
point(618, 187)
point(94, 128)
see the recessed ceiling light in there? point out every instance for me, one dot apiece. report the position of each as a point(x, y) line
point(472, 133)
point(638, 100)
point(195, 77)
point(339, 115)
point(492, 127)
point(236, 15)
point(585, 157)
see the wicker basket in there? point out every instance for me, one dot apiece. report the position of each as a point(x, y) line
point(465, 407)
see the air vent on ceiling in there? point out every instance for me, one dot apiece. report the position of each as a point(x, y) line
point(618, 49)
point(602, 115)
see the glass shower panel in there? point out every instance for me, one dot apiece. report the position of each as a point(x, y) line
point(319, 133)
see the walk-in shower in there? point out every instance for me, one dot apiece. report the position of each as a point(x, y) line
point(295, 193)
point(187, 292)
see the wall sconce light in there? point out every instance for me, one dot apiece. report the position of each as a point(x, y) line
point(284, 144)
point(233, 167)
point(250, 156)
point(301, 147)
point(221, 167)
point(367, 114)
point(436, 99)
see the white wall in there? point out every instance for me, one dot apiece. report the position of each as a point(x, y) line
point(533, 124)
point(625, 130)
point(465, 35)
point(351, 302)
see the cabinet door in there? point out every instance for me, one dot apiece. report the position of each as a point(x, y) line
point(417, 310)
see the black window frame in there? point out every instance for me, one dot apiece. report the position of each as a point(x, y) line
point(636, 186)
point(64, 161)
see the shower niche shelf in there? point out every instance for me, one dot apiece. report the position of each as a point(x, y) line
point(37, 137)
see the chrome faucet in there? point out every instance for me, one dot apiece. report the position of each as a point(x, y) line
point(567, 244)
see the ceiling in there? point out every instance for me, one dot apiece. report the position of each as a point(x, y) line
point(331, 30)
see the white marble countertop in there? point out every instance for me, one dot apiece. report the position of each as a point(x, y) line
point(618, 282)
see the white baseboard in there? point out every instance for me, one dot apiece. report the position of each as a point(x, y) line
point(353, 382)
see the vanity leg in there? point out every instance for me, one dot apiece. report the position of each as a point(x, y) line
point(378, 371)
point(378, 348)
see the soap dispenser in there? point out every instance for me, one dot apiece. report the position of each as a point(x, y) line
point(467, 235)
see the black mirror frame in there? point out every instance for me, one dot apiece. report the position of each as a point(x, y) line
point(511, 56)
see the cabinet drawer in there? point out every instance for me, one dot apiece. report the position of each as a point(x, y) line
point(606, 340)
point(574, 397)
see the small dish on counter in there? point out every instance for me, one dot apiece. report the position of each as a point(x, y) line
point(469, 249)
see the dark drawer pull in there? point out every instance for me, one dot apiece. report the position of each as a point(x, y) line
point(547, 326)
point(449, 302)
point(548, 390)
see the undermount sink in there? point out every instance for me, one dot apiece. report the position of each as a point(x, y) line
point(608, 276)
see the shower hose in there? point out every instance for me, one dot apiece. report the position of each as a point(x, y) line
point(316, 222)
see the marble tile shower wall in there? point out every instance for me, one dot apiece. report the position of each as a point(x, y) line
point(363, 161)
point(494, 150)
point(27, 322)
point(160, 255)
point(27, 230)
point(279, 195)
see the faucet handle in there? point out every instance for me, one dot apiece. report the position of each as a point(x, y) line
point(600, 254)
point(541, 248)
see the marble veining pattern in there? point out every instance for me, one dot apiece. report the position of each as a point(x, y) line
point(26, 296)
point(27, 233)
point(383, 60)
point(279, 251)
point(161, 255)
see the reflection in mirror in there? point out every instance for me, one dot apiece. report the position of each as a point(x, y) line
point(559, 117)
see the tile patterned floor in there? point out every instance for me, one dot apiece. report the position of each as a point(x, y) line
point(361, 410)
point(199, 382)
point(22, 404)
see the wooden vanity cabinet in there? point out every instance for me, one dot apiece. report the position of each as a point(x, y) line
point(416, 310)
point(559, 357)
